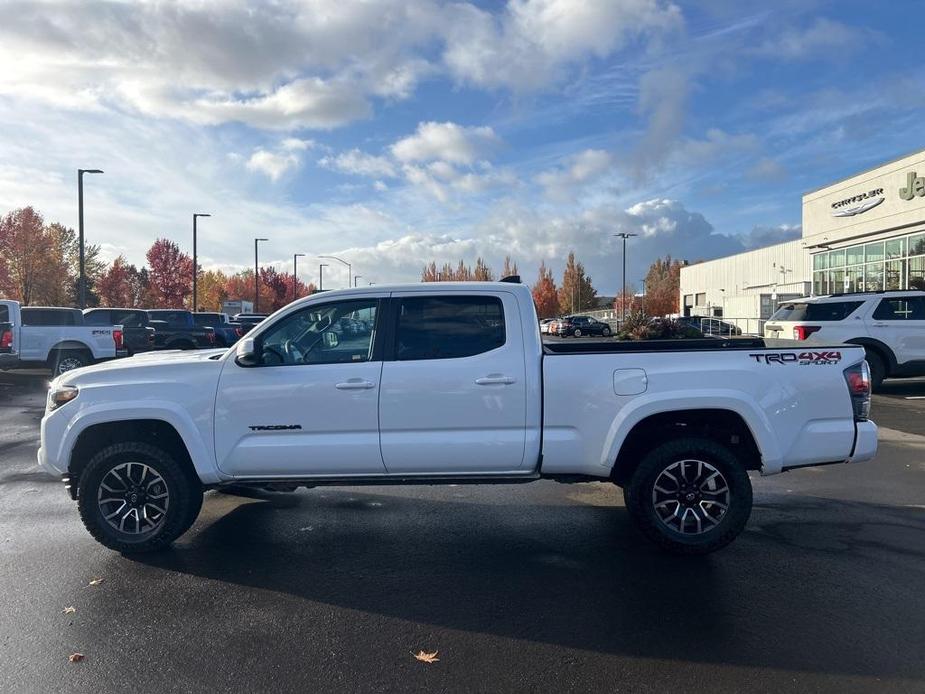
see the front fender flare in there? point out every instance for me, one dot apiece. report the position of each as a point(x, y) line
point(200, 452)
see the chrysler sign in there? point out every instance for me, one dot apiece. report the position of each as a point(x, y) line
point(857, 203)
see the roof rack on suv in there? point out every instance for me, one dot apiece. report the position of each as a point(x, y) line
point(876, 291)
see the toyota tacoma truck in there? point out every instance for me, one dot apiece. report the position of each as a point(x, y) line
point(55, 338)
point(451, 384)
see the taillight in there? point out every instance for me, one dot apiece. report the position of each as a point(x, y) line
point(858, 379)
point(6, 339)
point(801, 332)
point(117, 338)
point(239, 331)
point(211, 336)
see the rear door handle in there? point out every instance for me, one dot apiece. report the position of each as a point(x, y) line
point(495, 380)
point(355, 384)
point(880, 325)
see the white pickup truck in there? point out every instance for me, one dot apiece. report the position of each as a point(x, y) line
point(444, 383)
point(55, 338)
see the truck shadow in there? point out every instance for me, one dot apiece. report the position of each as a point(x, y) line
point(802, 590)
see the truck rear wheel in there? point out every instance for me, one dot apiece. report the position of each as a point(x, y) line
point(65, 360)
point(690, 496)
point(135, 497)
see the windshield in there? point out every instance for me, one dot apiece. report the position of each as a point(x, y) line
point(821, 311)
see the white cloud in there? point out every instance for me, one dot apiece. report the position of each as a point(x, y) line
point(448, 142)
point(822, 37)
point(272, 164)
point(534, 42)
point(581, 168)
point(359, 163)
point(294, 144)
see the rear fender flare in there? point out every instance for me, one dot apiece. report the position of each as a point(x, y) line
point(644, 406)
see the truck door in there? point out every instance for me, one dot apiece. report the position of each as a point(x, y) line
point(310, 405)
point(453, 395)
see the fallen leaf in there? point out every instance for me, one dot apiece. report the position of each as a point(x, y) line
point(426, 657)
point(95, 581)
point(76, 657)
point(69, 610)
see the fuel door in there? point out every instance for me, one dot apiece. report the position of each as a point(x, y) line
point(630, 381)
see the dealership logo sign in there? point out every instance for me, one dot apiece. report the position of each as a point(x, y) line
point(857, 204)
point(915, 186)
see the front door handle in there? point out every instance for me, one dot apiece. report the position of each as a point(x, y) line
point(355, 384)
point(880, 325)
point(495, 380)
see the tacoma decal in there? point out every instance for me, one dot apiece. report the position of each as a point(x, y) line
point(274, 427)
point(801, 358)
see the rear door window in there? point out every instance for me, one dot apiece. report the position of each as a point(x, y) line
point(448, 327)
point(817, 312)
point(97, 318)
point(900, 308)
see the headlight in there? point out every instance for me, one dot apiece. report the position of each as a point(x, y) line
point(59, 395)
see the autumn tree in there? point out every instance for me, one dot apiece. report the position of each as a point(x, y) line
point(663, 286)
point(545, 296)
point(211, 290)
point(510, 267)
point(482, 272)
point(627, 301)
point(430, 273)
point(576, 293)
point(114, 287)
point(169, 273)
point(66, 249)
point(25, 252)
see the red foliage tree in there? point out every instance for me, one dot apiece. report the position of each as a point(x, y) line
point(115, 286)
point(545, 295)
point(170, 273)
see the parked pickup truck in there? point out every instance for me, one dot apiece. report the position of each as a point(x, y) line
point(176, 329)
point(226, 332)
point(137, 335)
point(55, 338)
point(452, 384)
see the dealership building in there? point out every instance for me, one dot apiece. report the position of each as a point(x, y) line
point(863, 233)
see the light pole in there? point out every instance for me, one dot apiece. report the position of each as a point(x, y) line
point(341, 260)
point(643, 280)
point(295, 274)
point(82, 277)
point(624, 235)
point(355, 278)
point(196, 216)
point(321, 267)
point(257, 278)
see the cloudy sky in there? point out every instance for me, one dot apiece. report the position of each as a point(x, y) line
point(395, 132)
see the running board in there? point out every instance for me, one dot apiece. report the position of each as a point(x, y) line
point(360, 481)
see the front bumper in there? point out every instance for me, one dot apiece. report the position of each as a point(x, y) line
point(865, 442)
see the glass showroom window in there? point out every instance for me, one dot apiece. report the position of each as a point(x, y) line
point(917, 244)
point(895, 274)
point(917, 272)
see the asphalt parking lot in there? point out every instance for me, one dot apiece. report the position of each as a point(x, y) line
point(538, 587)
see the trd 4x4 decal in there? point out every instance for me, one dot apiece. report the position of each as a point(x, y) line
point(801, 358)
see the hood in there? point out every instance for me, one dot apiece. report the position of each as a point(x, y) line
point(142, 366)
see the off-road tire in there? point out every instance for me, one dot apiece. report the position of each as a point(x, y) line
point(185, 497)
point(638, 495)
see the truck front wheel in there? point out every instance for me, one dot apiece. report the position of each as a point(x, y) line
point(690, 496)
point(135, 497)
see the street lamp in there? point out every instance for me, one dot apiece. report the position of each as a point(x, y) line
point(196, 216)
point(355, 278)
point(295, 274)
point(624, 235)
point(257, 278)
point(341, 260)
point(82, 279)
point(321, 267)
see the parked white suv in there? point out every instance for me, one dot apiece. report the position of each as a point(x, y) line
point(889, 325)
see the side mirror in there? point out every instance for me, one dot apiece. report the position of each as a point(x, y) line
point(247, 353)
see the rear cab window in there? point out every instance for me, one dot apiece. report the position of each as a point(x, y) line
point(799, 312)
point(448, 327)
